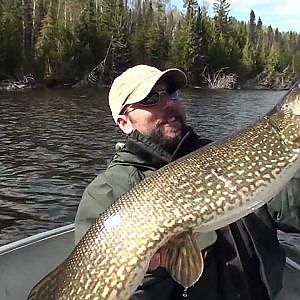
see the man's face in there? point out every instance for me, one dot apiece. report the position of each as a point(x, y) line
point(163, 122)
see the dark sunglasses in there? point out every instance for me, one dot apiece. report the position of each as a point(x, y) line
point(155, 96)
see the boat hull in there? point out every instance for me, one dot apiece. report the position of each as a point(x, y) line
point(25, 262)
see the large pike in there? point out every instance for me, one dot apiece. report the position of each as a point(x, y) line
point(200, 192)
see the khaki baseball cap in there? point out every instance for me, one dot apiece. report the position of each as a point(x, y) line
point(135, 83)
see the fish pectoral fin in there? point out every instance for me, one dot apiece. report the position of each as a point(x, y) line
point(183, 259)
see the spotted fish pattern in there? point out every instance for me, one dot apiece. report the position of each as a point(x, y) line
point(203, 191)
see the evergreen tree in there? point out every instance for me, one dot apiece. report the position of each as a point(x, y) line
point(137, 32)
point(178, 46)
point(221, 47)
point(259, 46)
point(46, 46)
point(149, 32)
point(235, 45)
point(259, 35)
point(156, 42)
point(184, 53)
point(191, 8)
point(89, 44)
point(161, 43)
point(269, 37)
point(248, 58)
point(273, 60)
point(10, 38)
point(296, 62)
point(221, 9)
point(252, 28)
point(120, 56)
point(200, 45)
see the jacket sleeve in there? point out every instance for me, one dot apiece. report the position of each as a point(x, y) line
point(105, 189)
point(285, 207)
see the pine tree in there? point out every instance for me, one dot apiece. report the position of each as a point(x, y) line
point(184, 52)
point(200, 45)
point(46, 43)
point(273, 60)
point(269, 37)
point(137, 33)
point(191, 8)
point(149, 32)
point(157, 38)
point(220, 47)
point(221, 9)
point(120, 56)
point(252, 28)
point(150, 39)
point(259, 46)
point(235, 45)
point(11, 55)
point(249, 58)
point(259, 35)
point(296, 62)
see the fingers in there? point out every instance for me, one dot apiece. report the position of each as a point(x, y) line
point(154, 262)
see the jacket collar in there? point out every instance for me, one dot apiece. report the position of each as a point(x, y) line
point(140, 150)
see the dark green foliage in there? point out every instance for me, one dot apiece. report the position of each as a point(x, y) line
point(65, 39)
point(252, 28)
point(11, 56)
point(200, 45)
point(222, 20)
point(296, 62)
point(90, 42)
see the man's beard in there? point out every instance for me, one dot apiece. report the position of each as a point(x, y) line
point(167, 142)
point(157, 135)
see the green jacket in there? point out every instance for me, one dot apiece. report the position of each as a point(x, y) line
point(136, 160)
point(249, 241)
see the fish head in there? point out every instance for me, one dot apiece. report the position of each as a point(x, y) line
point(285, 117)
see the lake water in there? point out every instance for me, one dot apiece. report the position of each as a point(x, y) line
point(54, 142)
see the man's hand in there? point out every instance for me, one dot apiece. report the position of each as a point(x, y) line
point(159, 258)
point(155, 261)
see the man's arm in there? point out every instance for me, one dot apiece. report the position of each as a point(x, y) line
point(96, 198)
point(285, 207)
point(88, 210)
point(105, 189)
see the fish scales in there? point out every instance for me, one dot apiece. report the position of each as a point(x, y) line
point(202, 191)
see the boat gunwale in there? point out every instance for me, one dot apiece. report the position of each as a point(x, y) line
point(37, 238)
point(40, 237)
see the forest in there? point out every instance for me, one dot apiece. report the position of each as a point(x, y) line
point(71, 41)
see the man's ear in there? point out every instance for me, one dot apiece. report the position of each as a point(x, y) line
point(125, 124)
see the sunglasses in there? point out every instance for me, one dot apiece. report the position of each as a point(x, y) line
point(154, 97)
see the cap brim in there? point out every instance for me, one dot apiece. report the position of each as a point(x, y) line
point(174, 78)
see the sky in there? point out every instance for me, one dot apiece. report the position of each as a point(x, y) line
point(283, 14)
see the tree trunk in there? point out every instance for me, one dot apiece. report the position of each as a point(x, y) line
point(27, 26)
point(34, 23)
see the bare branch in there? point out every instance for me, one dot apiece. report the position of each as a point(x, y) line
point(219, 79)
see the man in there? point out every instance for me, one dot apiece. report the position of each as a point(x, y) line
point(242, 260)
